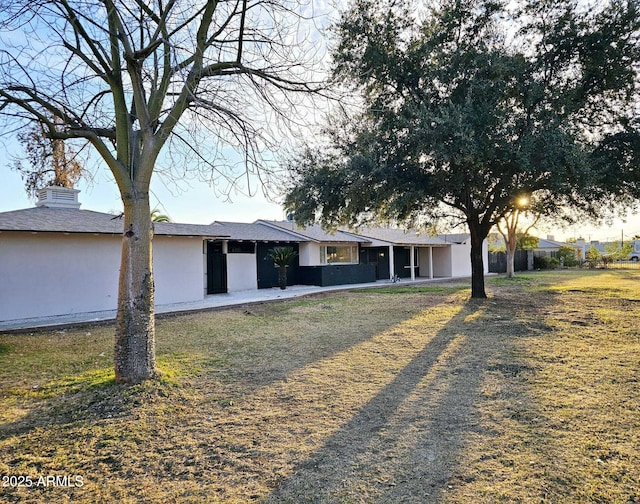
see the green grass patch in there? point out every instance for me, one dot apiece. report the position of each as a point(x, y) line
point(413, 289)
point(503, 281)
point(85, 381)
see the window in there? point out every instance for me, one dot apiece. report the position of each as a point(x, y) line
point(332, 254)
point(237, 247)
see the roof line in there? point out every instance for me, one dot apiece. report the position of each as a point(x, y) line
point(290, 231)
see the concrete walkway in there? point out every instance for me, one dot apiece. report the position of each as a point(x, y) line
point(209, 302)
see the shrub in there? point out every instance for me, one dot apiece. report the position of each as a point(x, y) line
point(567, 256)
point(592, 257)
point(282, 258)
point(545, 263)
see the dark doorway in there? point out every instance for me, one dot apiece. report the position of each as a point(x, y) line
point(378, 257)
point(216, 269)
point(402, 261)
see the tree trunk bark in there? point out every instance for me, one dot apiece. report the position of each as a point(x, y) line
point(510, 246)
point(282, 277)
point(135, 324)
point(510, 264)
point(477, 263)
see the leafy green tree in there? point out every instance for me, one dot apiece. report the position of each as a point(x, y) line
point(567, 256)
point(618, 251)
point(495, 243)
point(459, 115)
point(282, 257)
point(130, 78)
point(527, 242)
point(592, 257)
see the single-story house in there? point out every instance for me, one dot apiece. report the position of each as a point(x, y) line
point(56, 259)
point(327, 258)
point(547, 247)
point(392, 252)
point(415, 255)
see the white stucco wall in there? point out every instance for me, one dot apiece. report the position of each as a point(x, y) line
point(442, 262)
point(485, 256)
point(178, 269)
point(309, 254)
point(47, 274)
point(423, 259)
point(242, 272)
point(461, 259)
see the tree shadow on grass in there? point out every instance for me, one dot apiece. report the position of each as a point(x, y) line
point(405, 443)
point(316, 328)
point(92, 395)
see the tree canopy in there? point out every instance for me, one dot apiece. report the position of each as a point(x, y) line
point(48, 161)
point(467, 106)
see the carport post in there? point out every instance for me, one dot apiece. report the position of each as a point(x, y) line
point(392, 270)
point(412, 263)
point(431, 262)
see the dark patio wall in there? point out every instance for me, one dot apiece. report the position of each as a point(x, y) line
point(268, 273)
point(338, 274)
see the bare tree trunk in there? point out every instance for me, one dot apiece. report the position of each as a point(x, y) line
point(149, 64)
point(477, 263)
point(135, 326)
point(510, 235)
point(510, 245)
point(282, 277)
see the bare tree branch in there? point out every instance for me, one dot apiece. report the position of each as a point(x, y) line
point(134, 78)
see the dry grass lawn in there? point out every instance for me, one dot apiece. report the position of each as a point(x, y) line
point(396, 395)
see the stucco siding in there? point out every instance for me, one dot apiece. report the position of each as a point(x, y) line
point(442, 262)
point(309, 254)
point(47, 274)
point(178, 269)
point(461, 260)
point(423, 254)
point(242, 272)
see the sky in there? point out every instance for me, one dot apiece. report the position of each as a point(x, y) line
point(189, 201)
point(198, 204)
point(194, 201)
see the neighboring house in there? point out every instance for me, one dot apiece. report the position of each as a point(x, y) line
point(548, 247)
point(56, 259)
